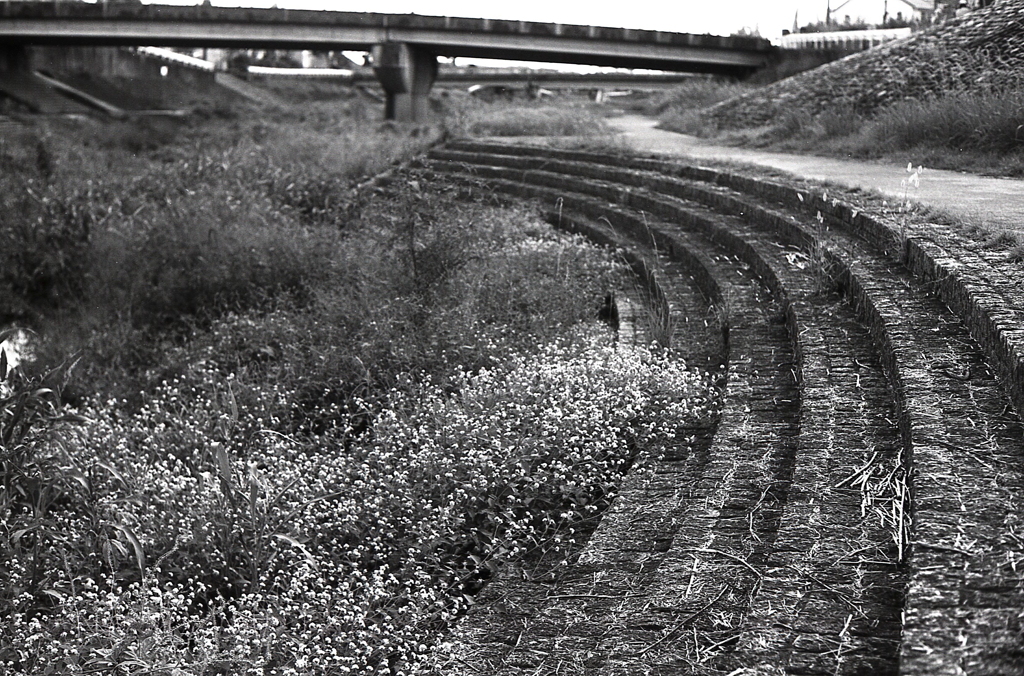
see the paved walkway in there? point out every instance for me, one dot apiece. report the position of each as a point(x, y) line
point(995, 202)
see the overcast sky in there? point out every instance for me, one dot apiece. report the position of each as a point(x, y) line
point(718, 17)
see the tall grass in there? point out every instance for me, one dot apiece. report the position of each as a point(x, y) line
point(965, 113)
point(472, 117)
point(103, 242)
point(975, 131)
point(307, 424)
point(694, 95)
point(678, 109)
point(321, 487)
point(988, 122)
point(976, 124)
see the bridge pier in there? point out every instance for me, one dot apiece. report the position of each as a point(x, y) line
point(406, 74)
point(14, 58)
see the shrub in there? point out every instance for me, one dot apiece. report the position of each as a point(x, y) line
point(681, 108)
point(316, 480)
point(103, 246)
point(511, 119)
point(695, 95)
point(242, 516)
point(203, 252)
point(991, 121)
point(838, 124)
point(44, 233)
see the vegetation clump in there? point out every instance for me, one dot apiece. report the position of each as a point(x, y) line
point(471, 117)
point(306, 423)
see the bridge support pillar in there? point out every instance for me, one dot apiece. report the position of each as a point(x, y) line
point(14, 58)
point(406, 74)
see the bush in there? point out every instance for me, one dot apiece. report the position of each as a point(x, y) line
point(838, 124)
point(681, 108)
point(696, 95)
point(385, 398)
point(99, 239)
point(166, 264)
point(323, 487)
point(44, 232)
point(477, 118)
point(991, 121)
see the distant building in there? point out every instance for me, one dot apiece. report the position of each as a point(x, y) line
point(922, 11)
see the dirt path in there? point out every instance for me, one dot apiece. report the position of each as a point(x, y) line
point(996, 202)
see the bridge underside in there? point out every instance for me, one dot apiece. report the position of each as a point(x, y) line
point(405, 47)
point(584, 51)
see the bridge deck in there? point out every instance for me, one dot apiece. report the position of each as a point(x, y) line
point(117, 23)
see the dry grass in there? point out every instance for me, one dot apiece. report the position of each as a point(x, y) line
point(471, 117)
point(104, 235)
point(701, 93)
point(992, 122)
point(978, 132)
point(678, 109)
point(264, 348)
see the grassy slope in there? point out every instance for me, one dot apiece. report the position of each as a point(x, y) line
point(951, 97)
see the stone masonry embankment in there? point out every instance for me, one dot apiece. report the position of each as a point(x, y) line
point(981, 51)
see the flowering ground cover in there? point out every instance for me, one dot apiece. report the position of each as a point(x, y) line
point(301, 473)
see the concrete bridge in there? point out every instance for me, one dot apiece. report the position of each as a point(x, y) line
point(405, 47)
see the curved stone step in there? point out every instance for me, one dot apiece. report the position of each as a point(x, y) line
point(735, 478)
point(974, 605)
point(522, 617)
point(811, 614)
point(739, 485)
point(872, 636)
point(965, 452)
point(988, 300)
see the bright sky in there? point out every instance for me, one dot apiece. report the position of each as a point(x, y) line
point(718, 17)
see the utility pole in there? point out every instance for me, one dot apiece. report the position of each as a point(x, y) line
point(828, 10)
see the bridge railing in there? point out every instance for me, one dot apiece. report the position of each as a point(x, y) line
point(851, 40)
point(339, 73)
point(175, 57)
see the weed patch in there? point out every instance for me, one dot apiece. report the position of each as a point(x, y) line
point(475, 118)
point(992, 122)
point(350, 490)
point(209, 528)
point(306, 427)
point(973, 131)
point(678, 109)
point(306, 423)
point(104, 244)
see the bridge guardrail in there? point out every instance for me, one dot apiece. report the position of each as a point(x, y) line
point(843, 39)
point(175, 57)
